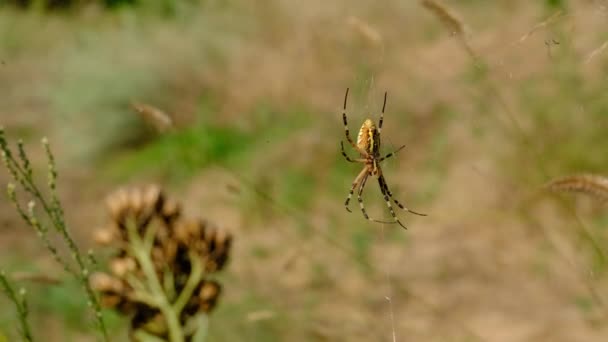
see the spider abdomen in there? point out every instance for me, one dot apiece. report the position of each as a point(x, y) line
point(369, 138)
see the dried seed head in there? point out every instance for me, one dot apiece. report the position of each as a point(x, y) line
point(589, 184)
point(120, 267)
point(187, 231)
point(175, 242)
point(204, 299)
point(170, 210)
point(111, 300)
point(114, 293)
point(163, 233)
point(140, 204)
point(209, 290)
point(116, 204)
point(449, 19)
point(152, 196)
point(218, 251)
point(153, 116)
point(105, 236)
point(207, 232)
point(208, 295)
point(103, 282)
point(211, 244)
point(136, 201)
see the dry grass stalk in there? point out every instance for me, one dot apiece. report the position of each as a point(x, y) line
point(260, 315)
point(155, 117)
point(449, 19)
point(369, 34)
point(553, 18)
point(594, 185)
point(596, 52)
point(454, 24)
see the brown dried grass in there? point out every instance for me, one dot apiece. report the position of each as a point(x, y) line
point(595, 185)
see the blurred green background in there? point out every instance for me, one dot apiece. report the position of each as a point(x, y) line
point(255, 90)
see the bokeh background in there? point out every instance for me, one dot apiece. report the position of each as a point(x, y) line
point(490, 109)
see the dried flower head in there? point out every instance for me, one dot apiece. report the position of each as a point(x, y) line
point(138, 204)
point(162, 261)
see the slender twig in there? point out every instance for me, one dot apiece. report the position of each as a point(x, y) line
point(18, 300)
point(21, 171)
point(40, 228)
point(596, 52)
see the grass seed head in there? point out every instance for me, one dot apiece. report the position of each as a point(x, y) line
point(594, 185)
point(449, 19)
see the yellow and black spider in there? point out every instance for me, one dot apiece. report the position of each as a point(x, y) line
point(368, 146)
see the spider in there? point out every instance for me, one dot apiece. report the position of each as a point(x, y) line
point(368, 146)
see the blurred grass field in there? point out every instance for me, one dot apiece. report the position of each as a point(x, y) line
point(256, 89)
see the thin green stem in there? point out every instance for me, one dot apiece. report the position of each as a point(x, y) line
point(135, 283)
point(143, 257)
point(143, 336)
point(20, 306)
point(144, 297)
point(169, 283)
point(24, 176)
point(194, 279)
point(201, 326)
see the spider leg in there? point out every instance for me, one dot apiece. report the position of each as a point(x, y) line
point(358, 160)
point(383, 185)
point(347, 131)
point(356, 183)
point(389, 205)
point(391, 154)
point(360, 199)
point(382, 114)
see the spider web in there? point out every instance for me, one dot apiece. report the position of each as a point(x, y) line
point(367, 102)
point(368, 89)
point(552, 35)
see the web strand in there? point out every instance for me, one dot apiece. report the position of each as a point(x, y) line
point(389, 296)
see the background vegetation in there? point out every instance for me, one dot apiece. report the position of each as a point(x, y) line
point(255, 90)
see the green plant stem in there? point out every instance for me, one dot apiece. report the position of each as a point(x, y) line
point(142, 254)
point(20, 306)
point(143, 336)
point(41, 229)
point(24, 176)
point(202, 327)
point(58, 222)
point(194, 279)
point(169, 283)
